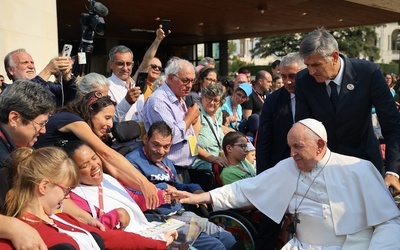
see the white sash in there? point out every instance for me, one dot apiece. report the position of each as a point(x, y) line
point(84, 239)
point(114, 196)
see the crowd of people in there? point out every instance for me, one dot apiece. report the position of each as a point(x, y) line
point(65, 186)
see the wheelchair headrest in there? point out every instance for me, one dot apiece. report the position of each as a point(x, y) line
point(125, 131)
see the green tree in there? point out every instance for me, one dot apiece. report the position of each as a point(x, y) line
point(276, 45)
point(353, 42)
point(357, 42)
point(235, 64)
point(231, 48)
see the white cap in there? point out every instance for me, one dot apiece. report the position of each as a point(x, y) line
point(250, 147)
point(315, 126)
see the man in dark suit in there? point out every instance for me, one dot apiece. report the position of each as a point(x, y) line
point(345, 108)
point(277, 118)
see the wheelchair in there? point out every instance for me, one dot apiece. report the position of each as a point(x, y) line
point(126, 133)
point(242, 224)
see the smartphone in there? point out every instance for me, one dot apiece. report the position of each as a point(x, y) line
point(66, 51)
point(166, 26)
point(141, 81)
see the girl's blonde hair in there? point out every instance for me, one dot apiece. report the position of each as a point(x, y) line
point(29, 167)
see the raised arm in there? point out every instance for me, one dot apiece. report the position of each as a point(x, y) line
point(150, 53)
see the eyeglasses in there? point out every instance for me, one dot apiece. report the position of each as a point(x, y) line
point(209, 100)
point(185, 80)
point(243, 146)
point(41, 125)
point(210, 79)
point(65, 189)
point(122, 64)
point(153, 66)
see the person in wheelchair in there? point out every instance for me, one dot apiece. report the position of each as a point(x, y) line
point(337, 201)
point(117, 204)
point(152, 162)
point(234, 145)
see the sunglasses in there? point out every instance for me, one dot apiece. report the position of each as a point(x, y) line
point(153, 66)
point(96, 96)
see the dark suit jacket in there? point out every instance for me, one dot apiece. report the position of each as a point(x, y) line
point(350, 129)
point(275, 122)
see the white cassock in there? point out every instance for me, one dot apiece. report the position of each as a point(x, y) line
point(347, 206)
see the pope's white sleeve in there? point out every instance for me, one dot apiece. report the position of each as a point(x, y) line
point(228, 196)
point(386, 235)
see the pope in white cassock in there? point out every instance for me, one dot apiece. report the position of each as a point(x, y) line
point(340, 202)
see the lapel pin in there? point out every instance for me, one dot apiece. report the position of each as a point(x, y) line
point(350, 86)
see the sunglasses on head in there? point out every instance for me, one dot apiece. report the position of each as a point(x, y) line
point(96, 96)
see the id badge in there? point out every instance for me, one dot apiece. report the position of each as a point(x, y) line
point(193, 145)
point(82, 58)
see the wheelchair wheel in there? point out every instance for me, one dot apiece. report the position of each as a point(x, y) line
point(238, 224)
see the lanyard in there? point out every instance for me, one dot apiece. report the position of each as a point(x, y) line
point(101, 202)
point(216, 133)
point(259, 95)
point(163, 167)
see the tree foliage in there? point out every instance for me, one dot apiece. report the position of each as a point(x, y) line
point(357, 42)
point(276, 45)
point(354, 42)
point(231, 48)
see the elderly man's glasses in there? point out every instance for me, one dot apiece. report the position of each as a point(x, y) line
point(65, 189)
point(154, 66)
point(209, 100)
point(243, 146)
point(184, 80)
point(122, 64)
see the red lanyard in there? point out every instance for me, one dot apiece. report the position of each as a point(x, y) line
point(101, 202)
point(166, 170)
point(259, 95)
point(161, 165)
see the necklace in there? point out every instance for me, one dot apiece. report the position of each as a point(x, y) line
point(293, 227)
